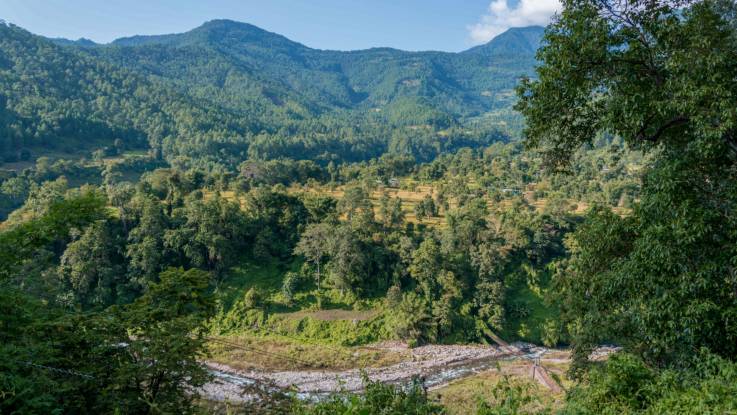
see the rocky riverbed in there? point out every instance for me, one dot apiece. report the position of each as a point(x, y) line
point(435, 364)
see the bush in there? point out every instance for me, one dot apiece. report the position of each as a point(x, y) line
point(550, 332)
point(252, 299)
point(393, 296)
point(378, 399)
point(289, 286)
point(626, 385)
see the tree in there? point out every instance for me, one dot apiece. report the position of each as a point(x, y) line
point(348, 266)
point(390, 210)
point(314, 245)
point(320, 207)
point(289, 286)
point(660, 75)
point(355, 199)
point(142, 357)
point(412, 320)
point(445, 308)
point(276, 219)
point(166, 342)
point(119, 195)
point(90, 268)
point(626, 68)
point(489, 299)
point(426, 264)
point(550, 332)
point(428, 206)
point(210, 235)
point(145, 250)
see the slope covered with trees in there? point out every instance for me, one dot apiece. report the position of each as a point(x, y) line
point(247, 64)
point(282, 183)
point(226, 91)
point(59, 99)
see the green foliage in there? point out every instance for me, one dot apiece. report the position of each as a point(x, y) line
point(226, 91)
point(167, 337)
point(210, 234)
point(656, 280)
point(426, 208)
point(626, 385)
point(90, 270)
point(393, 297)
point(252, 299)
point(551, 333)
point(412, 320)
point(289, 286)
point(18, 243)
point(599, 74)
point(135, 358)
point(378, 398)
point(276, 219)
point(511, 398)
point(87, 284)
point(660, 280)
point(65, 99)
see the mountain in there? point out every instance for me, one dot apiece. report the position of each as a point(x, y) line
point(514, 42)
point(83, 42)
point(227, 90)
point(224, 56)
point(225, 32)
point(60, 100)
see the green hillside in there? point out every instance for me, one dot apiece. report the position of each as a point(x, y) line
point(60, 100)
point(226, 91)
point(250, 64)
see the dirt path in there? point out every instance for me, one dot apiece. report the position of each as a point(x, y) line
point(435, 364)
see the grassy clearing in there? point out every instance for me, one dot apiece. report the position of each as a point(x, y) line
point(463, 396)
point(323, 317)
point(275, 352)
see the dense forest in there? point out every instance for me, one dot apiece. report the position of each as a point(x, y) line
point(226, 91)
point(227, 197)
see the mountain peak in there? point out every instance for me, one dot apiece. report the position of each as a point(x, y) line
point(83, 42)
point(517, 40)
point(215, 31)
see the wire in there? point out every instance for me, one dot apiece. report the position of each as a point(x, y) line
point(56, 369)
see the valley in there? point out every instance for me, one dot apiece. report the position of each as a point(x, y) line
point(225, 220)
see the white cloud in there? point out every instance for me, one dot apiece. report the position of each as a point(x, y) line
point(501, 16)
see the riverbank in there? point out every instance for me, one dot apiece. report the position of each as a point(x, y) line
point(436, 365)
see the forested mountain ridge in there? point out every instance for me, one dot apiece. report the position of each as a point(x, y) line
point(457, 83)
point(63, 100)
point(227, 91)
point(513, 42)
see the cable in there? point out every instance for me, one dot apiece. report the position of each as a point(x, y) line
point(56, 369)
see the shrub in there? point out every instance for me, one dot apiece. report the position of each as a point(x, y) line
point(252, 299)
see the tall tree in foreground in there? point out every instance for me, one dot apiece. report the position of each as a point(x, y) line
point(660, 74)
point(161, 368)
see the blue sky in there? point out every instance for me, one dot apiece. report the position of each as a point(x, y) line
point(450, 25)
